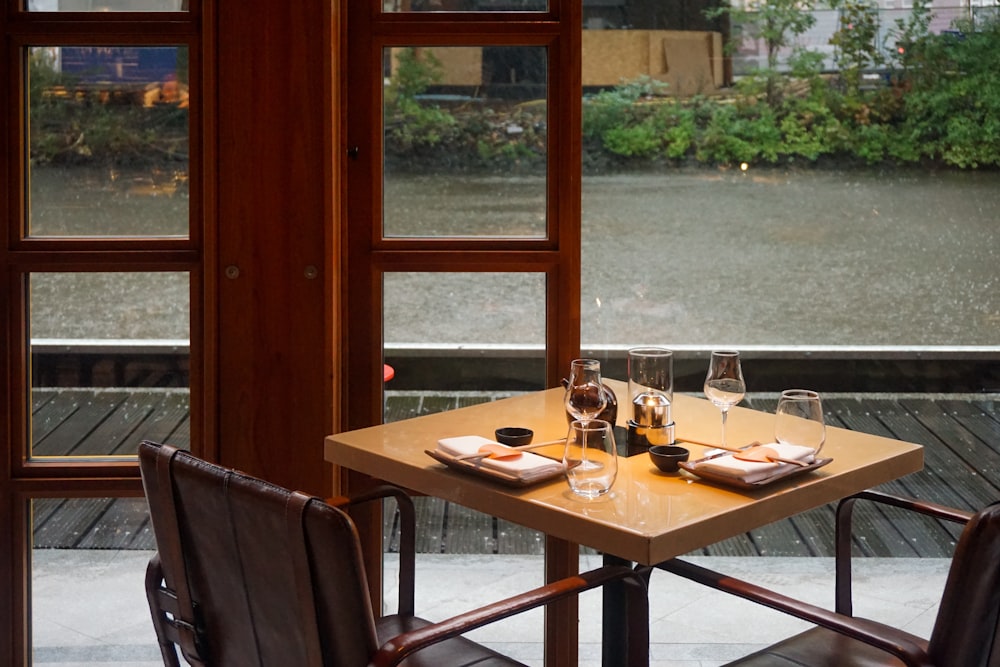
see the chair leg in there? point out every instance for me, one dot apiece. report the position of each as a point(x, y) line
point(168, 650)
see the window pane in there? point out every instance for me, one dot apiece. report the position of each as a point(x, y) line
point(109, 362)
point(107, 5)
point(695, 236)
point(465, 142)
point(88, 560)
point(466, 5)
point(464, 332)
point(109, 141)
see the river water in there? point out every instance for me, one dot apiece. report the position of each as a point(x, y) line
point(702, 257)
point(723, 257)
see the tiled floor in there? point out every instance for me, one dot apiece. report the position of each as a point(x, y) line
point(89, 608)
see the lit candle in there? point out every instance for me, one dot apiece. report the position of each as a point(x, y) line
point(651, 408)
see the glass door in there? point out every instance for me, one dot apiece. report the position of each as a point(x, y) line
point(462, 190)
point(102, 277)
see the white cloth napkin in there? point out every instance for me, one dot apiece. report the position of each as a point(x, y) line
point(755, 471)
point(527, 466)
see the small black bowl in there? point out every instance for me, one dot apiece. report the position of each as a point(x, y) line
point(666, 457)
point(514, 436)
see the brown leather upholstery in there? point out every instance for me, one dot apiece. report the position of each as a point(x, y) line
point(250, 574)
point(967, 629)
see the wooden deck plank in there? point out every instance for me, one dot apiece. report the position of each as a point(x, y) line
point(401, 406)
point(435, 403)
point(468, 531)
point(124, 525)
point(43, 508)
point(740, 545)
point(74, 519)
point(878, 531)
point(114, 434)
point(971, 446)
point(39, 397)
point(981, 419)
point(81, 412)
point(962, 453)
point(513, 538)
point(169, 422)
point(51, 415)
point(940, 461)
point(430, 524)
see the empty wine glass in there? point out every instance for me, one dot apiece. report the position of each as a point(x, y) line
point(590, 457)
point(724, 384)
point(799, 419)
point(585, 397)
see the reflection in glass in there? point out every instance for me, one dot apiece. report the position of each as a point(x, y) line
point(465, 142)
point(87, 556)
point(108, 5)
point(109, 357)
point(465, 331)
point(464, 5)
point(108, 140)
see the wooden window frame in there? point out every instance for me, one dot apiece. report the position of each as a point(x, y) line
point(369, 255)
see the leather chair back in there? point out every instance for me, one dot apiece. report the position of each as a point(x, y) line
point(274, 577)
point(967, 629)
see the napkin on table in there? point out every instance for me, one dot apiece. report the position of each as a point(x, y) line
point(526, 467)
point(755, 471)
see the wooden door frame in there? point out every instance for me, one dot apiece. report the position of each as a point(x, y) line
point(366, 255)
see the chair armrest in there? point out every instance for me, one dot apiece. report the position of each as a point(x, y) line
point(845, 513)
point(909, 648)
point(397, 648)
point(407, 536)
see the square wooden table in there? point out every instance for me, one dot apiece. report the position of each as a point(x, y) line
point(648, 517)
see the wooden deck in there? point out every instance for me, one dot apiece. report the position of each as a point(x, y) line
point(961, 434)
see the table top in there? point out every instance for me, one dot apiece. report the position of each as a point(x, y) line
point(649, 516)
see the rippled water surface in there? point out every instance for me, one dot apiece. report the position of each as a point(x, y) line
point(704, 257)
point(708, 257)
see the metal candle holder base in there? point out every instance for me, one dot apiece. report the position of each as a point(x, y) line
point(640, 437)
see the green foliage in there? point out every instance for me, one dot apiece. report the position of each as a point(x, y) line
point(778, 23)
point(740, 135)
point(909, 41)
point(953, 106)
point(943, 107)
point(72, 123)
point(855, 41)
point(808, 128)
point(618, 106)
point(415, 70)
point(411, 126)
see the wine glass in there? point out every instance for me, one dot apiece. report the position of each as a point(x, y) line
point(724, 384)
point(585, 397)
point(799, 419)
point(590, 457)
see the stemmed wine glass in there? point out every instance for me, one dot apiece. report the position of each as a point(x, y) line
point(585, 397)
point(799, 419)
point(724, 384)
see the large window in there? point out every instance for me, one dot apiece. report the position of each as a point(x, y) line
point(461, 191)
point(826, 194)
point(102, 284)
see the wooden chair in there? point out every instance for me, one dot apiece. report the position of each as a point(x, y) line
point(248, 573)
point(965, 632)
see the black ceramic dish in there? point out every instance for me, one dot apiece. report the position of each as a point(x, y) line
point(668, 457)
point(515, 436)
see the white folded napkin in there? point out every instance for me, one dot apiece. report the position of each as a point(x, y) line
point(527, 466)
point(755, 471)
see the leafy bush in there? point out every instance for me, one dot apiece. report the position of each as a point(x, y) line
point(954, 105)
point(943, 107)
point(71, 123)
